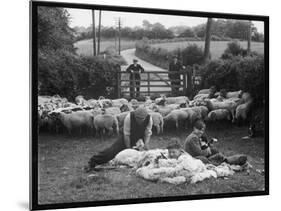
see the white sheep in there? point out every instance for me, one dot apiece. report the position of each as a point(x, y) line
point(119, 102)
point(173, 100)
point(79, 100)
point(235, 94)
point(112, 110)
point(177, 116)
point(107, 122)
point(75, 120)
point(158, 121)
point(202, 110)
point(219, 114)
point(121, 118)
point(204, 91)
point(200, 97)
point(163, 110)
point(226, 104)
point(242, 111)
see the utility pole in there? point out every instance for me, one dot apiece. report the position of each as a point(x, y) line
point(118, 25)
point(249, 37)
point(99, 32)
point(94, 33)
point(207, 40)
point(119, 40)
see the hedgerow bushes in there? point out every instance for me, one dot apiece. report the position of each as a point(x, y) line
point(237, 73)
point(190, 55)
point(64, 73)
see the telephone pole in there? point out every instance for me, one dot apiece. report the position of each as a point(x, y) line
point(94, 33)
point(249, 38)
point(207, 40)
point(119, 24)
point(99, 32)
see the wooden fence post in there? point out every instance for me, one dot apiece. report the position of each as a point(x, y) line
point(118, 84)
point(148, 83)
point(134, 85)
point(184, 84)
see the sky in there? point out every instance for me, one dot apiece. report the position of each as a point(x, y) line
point(83, 17)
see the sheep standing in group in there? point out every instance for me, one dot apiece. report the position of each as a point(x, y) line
point(75, 120)
point(107, 122)
point(121, 118)
point(219, 114)
point(158, 122)
point(243, 109)
point(177, 116)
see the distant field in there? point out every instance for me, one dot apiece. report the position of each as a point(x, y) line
point(85, 47)
point(217, 47)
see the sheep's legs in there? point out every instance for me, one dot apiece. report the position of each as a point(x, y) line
point(158, 129)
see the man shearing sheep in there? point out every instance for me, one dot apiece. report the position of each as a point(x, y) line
point(136, 134)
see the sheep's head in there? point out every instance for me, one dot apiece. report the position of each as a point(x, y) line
point(124, 108)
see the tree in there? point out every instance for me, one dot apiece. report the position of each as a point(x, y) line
point(53, 29)
point(237, 29)
point(207, 40)
point(187, 33)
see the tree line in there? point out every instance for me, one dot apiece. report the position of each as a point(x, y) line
point(222, 29)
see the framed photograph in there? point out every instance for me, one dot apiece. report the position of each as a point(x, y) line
point(137, 105)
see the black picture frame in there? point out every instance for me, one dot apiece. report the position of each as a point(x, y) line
point(34, 100)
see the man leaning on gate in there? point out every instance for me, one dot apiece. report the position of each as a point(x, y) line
point(174, 67)
point(135, 69)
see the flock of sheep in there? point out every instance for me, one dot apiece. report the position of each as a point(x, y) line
point(56, 114)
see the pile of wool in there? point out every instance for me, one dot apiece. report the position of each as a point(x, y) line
point(154, 165)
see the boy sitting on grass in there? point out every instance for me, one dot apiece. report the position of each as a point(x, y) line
point(197, 145)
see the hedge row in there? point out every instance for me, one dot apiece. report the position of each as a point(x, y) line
point(190, 55)
point(185, 39)
point(67, 74)
point(236, 73)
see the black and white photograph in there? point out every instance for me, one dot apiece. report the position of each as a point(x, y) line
point(136, 105)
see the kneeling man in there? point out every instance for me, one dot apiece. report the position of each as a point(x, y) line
point(137, 127)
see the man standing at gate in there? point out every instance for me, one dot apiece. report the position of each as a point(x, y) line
point(135, 69)
point(175, 66)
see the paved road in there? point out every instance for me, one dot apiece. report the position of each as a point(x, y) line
point(129, 55)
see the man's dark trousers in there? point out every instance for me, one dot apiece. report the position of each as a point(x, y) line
point(109, 153)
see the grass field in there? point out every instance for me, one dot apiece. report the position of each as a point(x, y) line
point(217, 47)
point(85, 47)
point(61, 179)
